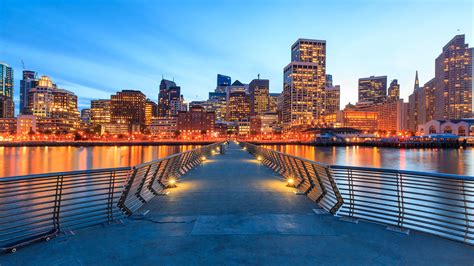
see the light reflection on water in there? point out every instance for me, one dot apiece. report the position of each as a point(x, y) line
point(35, 160)
point(453, 161)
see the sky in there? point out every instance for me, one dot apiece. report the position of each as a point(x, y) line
point(95, 48)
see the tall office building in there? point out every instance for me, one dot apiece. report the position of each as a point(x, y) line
point(151, 110)
point(86, 115)
point(196, 120)
point(259, 96)
point(332, 99)
point(373, 89)
point(170, 95)
point(222, 82)
point(100, 111)
point(128, 107)
point(40, 98)
point(55, 108)
point(218, 103)
point(7, 106)
point(453, 80)
point(328, 80)
point(393, 91)
point(420, 104)
point(273, 102)
point(28, 82)
point(238, 105)
point(304, 80)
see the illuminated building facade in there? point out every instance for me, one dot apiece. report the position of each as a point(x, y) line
point(358, 119)
point(7, 106)
point(40, 98)
point(393, 91)
point(8, 125)
point(100, 111)
point(164, 126)
point(217, 102)
point(28, 82)
point(196, 120)
point(170, 100)
point(304, 80)
point(373, 89)
point(273, 102)
point(25, 124)
point(259, 96)
point(86, 115)
point(222, 82)
point(128, 107)
point(453, 80)
point(151, 110)
point(332, 99)
point(238, 105)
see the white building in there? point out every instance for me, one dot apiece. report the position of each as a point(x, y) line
point(460, 127)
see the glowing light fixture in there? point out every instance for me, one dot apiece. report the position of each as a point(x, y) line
point(290, 182)
point(203, 158)
point(245, 148)
point(172, 182)
point(259, 158)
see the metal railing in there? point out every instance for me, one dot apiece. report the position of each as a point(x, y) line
point(149, 179)
point(36, 207)
point(439, 204)
point(312, 178)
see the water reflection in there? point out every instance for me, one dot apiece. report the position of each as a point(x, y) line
point(34, 160)
point(453, 161)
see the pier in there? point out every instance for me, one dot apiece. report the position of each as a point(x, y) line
point(237, 205)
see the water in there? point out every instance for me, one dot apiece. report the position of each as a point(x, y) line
point(35, 160)
point(452, 161)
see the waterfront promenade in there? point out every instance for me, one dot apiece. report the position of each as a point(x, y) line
point(234, 210)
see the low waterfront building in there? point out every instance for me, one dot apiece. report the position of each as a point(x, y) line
point(460, 127)
point(8, 125)
point(164, 126)
point(86, 115)
point(352, 118)
point(196, 120)
point(25, 124)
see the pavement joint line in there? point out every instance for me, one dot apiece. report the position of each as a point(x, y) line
point(349, 219)
point(397, 229)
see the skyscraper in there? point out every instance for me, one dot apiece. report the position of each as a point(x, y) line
point(170, 100)
point(238, 106)
point(393, 91)
point(151, 109)
point(259, 96)
point(223, 80)
point(304, 80)
point(332, 99)
point(28, 82)
point(373, 89)
point(453, 80)
point(7, 106)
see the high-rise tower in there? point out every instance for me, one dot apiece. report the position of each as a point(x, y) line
point(304, 80)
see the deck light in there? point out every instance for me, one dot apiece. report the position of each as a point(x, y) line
point(172, 182)
point(259, 158)
point(245, 148)
point(290, 182)
point(203, 158)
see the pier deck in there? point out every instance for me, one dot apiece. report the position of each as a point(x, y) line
point(233, 210)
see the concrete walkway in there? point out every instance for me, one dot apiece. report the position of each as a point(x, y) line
point(233, 210)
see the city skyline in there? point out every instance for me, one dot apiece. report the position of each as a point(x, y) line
point(94, 68)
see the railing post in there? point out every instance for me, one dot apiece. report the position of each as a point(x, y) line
point(142, 183)
point(321, 184)
point(310, 179)
point(153, 178)
point(57, 203)
point(126, 191)
point(339, 198)
point(110, 199)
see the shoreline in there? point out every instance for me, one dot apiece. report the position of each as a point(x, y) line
point(104, 143)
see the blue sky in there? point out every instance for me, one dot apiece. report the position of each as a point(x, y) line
point(95, 48)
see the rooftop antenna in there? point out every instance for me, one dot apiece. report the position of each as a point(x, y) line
point(173, 79)
point(23, 64)
point(162, 76)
